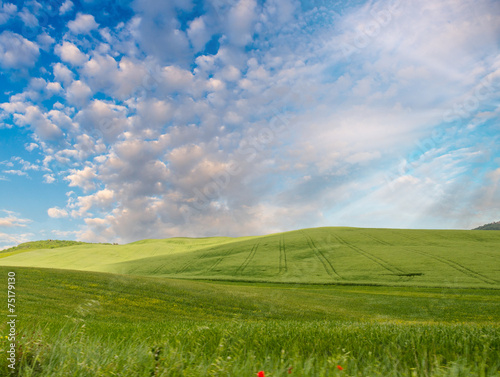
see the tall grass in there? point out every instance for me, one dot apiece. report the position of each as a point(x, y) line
point(280, 348)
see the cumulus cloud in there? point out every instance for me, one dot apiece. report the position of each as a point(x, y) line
point(118, 79)
point(28, 18)
point(65, 7)
point(240, 22)
point(101, 200)
point(82, 24)
point(78, 93)
point(7, 10)
point(16, 51)
point(287, 120)
point(45, 41)
point(62, 73)
point(198, 34)
point(103, 119)
point(70, 53)
point(57, 213)
point(165, 40)
point(49, 178)
point(37, 120)
point(84, 178)
point(31, 147)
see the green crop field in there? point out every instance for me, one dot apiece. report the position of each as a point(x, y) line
point(315, 302)
point(320, 255)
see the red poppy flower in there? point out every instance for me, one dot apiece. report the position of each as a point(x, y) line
point(339, 367)
point(290, 370)
point(261, 374)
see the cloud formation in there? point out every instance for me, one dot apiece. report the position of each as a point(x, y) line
point(82, 24)
point(246, 117)
point(17, 52)
point(11, 220)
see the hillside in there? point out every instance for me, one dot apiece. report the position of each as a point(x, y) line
point(490, 226)
point(319, 255)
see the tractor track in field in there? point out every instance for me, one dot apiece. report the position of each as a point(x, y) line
point(327, 265)
point(188, 264)
point(283, 266)
point(456, 266)
point(220, 259)
point(382, 263)
point(378, 240)
point(248, 259)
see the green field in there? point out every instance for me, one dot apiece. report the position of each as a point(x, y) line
point(375, 302)
point(319, 255)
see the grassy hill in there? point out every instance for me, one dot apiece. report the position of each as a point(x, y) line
point(320, 255)
point(35, 245)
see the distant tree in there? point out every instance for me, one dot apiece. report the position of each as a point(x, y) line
point(490, 226)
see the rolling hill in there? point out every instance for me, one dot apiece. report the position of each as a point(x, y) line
point(330, 255)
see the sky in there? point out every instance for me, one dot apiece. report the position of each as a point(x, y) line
point(126, 120)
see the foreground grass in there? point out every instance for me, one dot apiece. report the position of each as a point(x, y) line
point(241, 348)
point(73, 323)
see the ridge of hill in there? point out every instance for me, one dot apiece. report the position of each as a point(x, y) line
point(42, 244)
point(329, 255)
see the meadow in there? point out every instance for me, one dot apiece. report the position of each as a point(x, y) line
point(141, 322)
point(319, 255)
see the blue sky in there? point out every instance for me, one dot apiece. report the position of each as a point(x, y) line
point(141, 119)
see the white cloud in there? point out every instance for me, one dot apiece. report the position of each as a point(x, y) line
point(28, 18)
point(12, 220)
point(34, 118)
point(101, 200)
point(104, 120)
point(48, 178)
point(82, 178)
point(69, 53)
point(45, 41)
point(10, 240)
point(82, 24)
point(26, 165)
point(198, 34)
point(155, 113)
point(164, 40)
point(54, 87)
point(78, 93)
point(240, 21)
point(16, 172)
point(118, 79)
point(62, 73)
point(57, 213)
point(31, 147)
point(65, 7)
point(154, 157)
point(61, 120)
point(16, 51)
point(7, 10)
